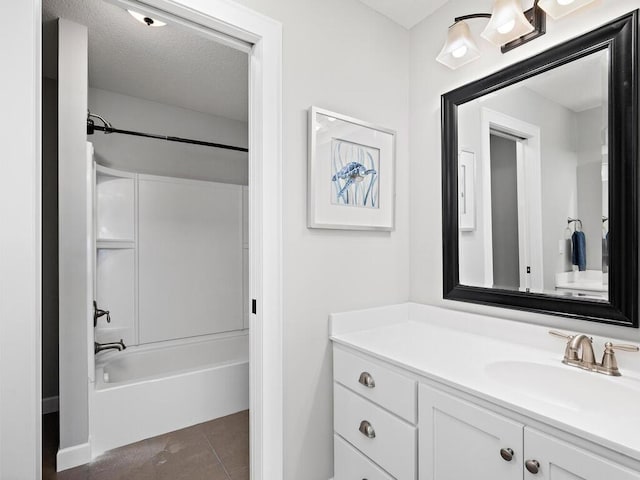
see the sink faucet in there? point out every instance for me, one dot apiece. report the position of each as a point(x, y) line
point(99, 347)
point(579, 353)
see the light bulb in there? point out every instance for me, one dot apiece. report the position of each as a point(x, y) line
point(460, 52)
point(459, 49)
point(506, 27)
point(559, 8)
point(508, 22)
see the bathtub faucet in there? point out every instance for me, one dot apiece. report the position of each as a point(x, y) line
point(99, 347)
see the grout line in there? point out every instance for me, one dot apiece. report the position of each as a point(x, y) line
point(226, 472)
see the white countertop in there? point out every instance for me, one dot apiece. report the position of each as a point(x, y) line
point(513, 365)
point(590, 280)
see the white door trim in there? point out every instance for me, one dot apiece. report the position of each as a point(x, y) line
point(532, 172)
point(23, 136)
point(20, 241)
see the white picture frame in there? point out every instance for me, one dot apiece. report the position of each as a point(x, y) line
point(351, 174)
point(466, 191)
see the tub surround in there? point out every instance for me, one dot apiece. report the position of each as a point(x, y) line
point(507, 367)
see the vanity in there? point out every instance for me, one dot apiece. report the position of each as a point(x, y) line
point(426, 393)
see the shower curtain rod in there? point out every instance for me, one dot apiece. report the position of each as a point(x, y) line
point(109, 129)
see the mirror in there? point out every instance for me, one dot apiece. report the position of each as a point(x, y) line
point(539, 182)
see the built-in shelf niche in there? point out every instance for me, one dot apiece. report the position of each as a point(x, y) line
point(115, 291)
point(116, 254)
point(115, 205)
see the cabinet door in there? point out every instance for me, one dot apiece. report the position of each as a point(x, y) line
point(459, 440)
point(559, 460)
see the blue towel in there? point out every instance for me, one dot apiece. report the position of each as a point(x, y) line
point(579, 250)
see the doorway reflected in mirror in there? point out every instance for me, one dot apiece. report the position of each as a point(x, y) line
point(541, 190)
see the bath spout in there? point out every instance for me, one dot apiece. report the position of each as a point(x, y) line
point(99, 347)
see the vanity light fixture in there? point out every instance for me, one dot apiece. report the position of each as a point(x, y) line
point(460, 47)
point(508, 27)
point(507, 23)
point(148, 21)
point(559, 8)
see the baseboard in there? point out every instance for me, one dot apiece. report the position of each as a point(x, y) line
point(50, 404)
point(73, 456)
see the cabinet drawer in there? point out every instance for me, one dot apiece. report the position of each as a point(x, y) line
point(393, 445)
point(393, 391)
point(352, 465)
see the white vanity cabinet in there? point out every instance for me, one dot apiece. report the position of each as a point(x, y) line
point(450, 395)
point(560, 460)
point(391, 424)
point(461, 440)
point(375, 413)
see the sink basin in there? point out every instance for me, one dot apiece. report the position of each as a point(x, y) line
point(566, 387)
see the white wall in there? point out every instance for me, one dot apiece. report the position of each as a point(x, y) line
point(158, 157)
point(339, 55)
point(20, 259)
point(429, 80)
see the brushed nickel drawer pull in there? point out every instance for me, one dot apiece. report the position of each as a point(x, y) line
point(506, 454)
point(533, 466)
point(367, 429)
point(367, 380)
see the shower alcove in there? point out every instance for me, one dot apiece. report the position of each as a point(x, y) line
point(170, 265)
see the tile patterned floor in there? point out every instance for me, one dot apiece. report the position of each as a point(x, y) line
point(215, 450)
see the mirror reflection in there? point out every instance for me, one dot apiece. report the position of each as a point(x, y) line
point(533, 184)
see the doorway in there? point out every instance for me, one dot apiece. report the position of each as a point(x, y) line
point(505, 212)
point(512, 203)
point(265, 299)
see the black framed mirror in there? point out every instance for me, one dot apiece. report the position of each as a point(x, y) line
point(540, 181)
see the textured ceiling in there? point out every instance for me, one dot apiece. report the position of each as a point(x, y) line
point(168, 64)
point(407, 13)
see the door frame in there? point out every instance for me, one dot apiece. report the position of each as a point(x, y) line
point(21, 433)
point(529, 168)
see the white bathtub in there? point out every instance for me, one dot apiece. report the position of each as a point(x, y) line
point(147, 391)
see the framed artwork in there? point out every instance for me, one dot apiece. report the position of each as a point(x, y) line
point(351, 173)
point(466, 191)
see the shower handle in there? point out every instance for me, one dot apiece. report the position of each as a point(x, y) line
point(97, 313)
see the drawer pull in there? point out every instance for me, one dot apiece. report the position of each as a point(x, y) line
point(367, 429)
point(367, 380)
point(506, 454)
point(533, 466)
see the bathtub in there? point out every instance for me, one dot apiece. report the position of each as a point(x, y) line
point(150, 390)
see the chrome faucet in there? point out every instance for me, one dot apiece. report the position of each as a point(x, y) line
point(99, 347)
point(579, 353)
